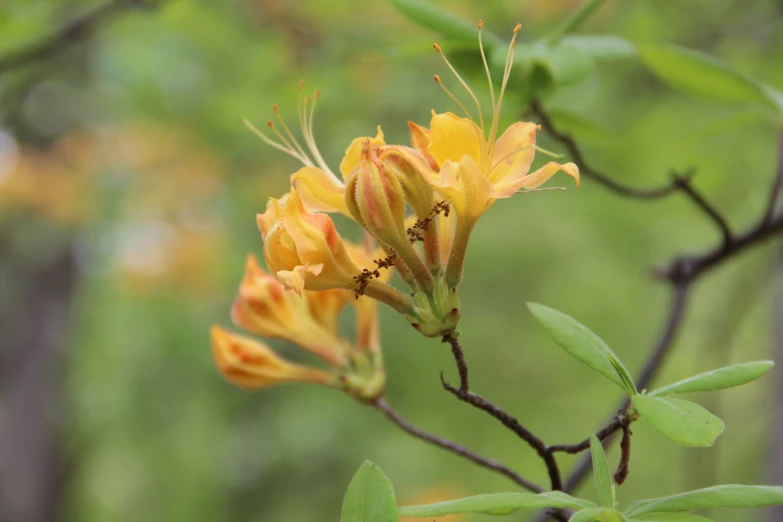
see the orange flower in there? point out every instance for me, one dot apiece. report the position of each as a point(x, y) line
point(263, 307)
point(250, 364)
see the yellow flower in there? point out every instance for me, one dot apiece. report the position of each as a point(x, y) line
point(250, 364)
point(263, 307)
point(473, 172)
point(473, 166)
point(325, 307)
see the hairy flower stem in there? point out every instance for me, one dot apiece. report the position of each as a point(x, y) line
point(391, 296)
point(459, 248)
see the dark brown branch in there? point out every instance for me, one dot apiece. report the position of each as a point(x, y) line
point(654, 362)
point(624, 467)
point(777, 185)
point(589, 172)
point(619, 421)
point(455, 448)
point(687, 269)
point(69, 34)
point(683, 182)
point(464, 394)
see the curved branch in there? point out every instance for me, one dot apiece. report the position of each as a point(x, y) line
point(455, 448)
point(69, 34)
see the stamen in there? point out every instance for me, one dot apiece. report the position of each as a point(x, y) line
point(486, 66)
point(549, 153)
point(274, 144)
point(310, 137)
point(451, 95)
point(547, 189)
point(299, 148)
point(506, 74)
point(470, 92)
point(285, 142)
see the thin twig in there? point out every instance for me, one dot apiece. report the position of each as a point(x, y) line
point(683, 182)
point(777, 185)
point(573, 449)
point(624, 467)
point(589, 172)
point(455, 448)
point(464, 394)
point(67, 35)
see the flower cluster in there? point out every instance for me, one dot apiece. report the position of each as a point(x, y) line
point(417, 204)
point(264, 307)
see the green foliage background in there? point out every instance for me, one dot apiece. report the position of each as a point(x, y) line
point(155, 434)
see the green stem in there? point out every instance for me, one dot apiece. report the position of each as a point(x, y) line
point(459, 247)
point(580, 17)
point(417, 267)
point(390, 296)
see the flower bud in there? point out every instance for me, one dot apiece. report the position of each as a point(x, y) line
point(410, 168)
point(353, 154)
point(250, 364)
point(263, 307)
point(378, 198)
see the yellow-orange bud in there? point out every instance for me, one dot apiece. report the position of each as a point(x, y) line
point(250, 364)
point(376, 199)
point(263, 307)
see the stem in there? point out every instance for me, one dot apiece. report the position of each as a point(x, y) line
point(418, 269)
point(453, 447)
point(580, 17)
point(391, 296)
point(464, 394)
point(459, 247)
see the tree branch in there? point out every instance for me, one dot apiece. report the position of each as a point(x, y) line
point(69, 34)
point(777, 185)
point(589, 172)
point(464, 394)
point(455, 448)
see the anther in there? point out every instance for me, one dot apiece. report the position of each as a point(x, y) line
point(480, 24)
point(271, 125)
point(437, 47)
point(307, 100)
point(276, 109)
point(317, 94)
point(517, 28)
point(301, 84)
point(436, 78)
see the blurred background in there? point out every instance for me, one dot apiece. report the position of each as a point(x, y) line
point(128, 193)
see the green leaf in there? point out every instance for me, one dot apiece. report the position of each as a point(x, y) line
point(497, 504)
point(598, 515)
point(718, 379)
point(729, 496)
point(434, 17)
point(670, 517)
point(370, 497)
point(587, 515)
point(603, 481)
point(702, 75)
point(582, 344)
point(602, 47)
point(684, 422)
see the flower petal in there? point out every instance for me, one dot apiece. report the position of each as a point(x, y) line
point(514, 151)
point(320, 190)
point(452, 137)
point(539, 177)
